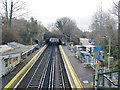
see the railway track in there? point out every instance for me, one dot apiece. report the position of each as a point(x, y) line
point(47, 72)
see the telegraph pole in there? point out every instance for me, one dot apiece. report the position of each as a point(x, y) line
point(119, 34)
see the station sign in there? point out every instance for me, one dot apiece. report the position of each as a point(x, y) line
point(111, 59)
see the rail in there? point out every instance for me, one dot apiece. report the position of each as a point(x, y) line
point(47, 72)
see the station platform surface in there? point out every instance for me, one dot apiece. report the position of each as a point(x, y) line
point(84, 73)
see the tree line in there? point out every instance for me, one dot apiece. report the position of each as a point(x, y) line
point(105, 27)
point(15, 27)
point(23, 31)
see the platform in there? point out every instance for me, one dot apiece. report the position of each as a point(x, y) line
point(83, 74)
point(29, 60)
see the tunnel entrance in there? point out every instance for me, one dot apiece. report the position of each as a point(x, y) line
point(58, 41)
point(52, 38)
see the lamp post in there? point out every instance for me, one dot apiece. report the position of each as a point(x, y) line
point(108, 51)
point(109, 54)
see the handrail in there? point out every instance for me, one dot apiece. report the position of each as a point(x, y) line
point(110, 80)
point(109, 72)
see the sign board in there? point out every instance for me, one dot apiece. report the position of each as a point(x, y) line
point(110, 59)
point(14, 59)
point(70, 43)
point(98, 54)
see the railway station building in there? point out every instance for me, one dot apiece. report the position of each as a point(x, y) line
point(12, 54)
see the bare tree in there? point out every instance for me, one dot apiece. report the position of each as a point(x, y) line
point(116, 11)
point(66, 25)
point(51, 27)
point(104, 27)
point(12, 9)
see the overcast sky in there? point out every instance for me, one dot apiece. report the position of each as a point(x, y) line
point(47, 11)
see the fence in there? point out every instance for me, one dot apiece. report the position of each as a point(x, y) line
point(108, 80)
point(92, 62)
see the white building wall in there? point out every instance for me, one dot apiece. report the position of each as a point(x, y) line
point(10, 63)
point(4, 69)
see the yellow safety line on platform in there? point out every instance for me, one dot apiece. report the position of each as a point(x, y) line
point(18, 74)
point(79, 81)
point(73, 74)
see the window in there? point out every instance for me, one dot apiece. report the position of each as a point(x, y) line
point(9, 61)
point(6, 62)
point(16, 59)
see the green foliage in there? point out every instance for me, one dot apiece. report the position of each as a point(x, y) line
point(106, 58)
point(32, 29)
point(23, 31)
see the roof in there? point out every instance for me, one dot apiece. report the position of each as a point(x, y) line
point(4, 48)
point(79, 46)
point(18, 48)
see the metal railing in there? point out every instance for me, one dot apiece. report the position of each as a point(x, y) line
point(108, 80)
